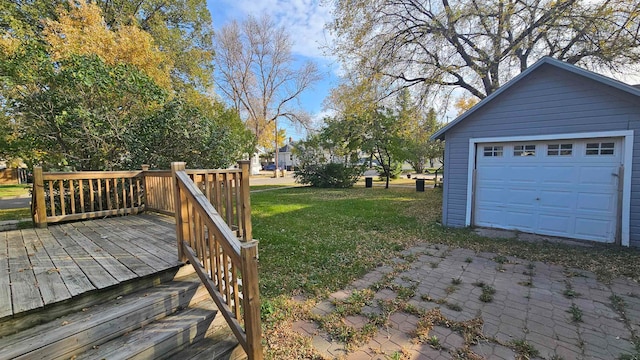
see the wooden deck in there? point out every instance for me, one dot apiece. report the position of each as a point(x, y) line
point(41, 267)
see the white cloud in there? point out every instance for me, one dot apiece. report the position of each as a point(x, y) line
point(303, 19)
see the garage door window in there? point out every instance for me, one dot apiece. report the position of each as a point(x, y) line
point(560, 149)
point(600, 148)
point(524, 150)
point(493, 151)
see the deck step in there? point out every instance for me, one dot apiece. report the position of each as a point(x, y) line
point(13, 324)
point(168, 337)
point(75, 333)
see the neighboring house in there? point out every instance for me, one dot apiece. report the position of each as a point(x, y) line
point(286, 158)
point(256, 166)
point(551, 152)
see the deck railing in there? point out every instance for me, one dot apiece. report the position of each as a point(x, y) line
point(227, 267)
point(221, 187)
point(213, 214)
point(66, 196)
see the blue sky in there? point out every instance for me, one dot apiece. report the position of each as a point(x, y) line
point(304, 20)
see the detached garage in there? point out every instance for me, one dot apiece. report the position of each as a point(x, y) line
point(551, 152)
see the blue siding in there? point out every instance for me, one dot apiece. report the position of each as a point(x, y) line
point(547, 101)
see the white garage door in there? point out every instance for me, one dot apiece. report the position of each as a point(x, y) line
point(563, 188)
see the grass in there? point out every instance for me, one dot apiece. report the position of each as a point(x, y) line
point(316, 241)
point(15, 214)
point(576, 313)
point(14, 190)
point(271, 187)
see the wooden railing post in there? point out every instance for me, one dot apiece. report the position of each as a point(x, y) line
point(251, 299)
point(145, 168)
point(182, 221)
point(38, 189)
point(246, 200)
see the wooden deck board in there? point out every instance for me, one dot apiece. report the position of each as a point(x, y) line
point(48, 279)
point(157, 244)
point(72, 276)
point(5, 290)
point(39, 267)
point(118, 270)
point(117, 248)
point(98, 276)
point(24, 290)
point(158, 260)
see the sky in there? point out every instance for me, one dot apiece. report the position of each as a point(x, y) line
point(304, 20)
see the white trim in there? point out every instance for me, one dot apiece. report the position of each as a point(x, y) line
point(627, 161)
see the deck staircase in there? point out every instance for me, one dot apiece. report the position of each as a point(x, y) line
point(173, 319)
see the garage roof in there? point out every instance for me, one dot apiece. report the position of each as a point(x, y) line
point(440, 134)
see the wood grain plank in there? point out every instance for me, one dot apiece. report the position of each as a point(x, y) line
point(112, 243)
point(5, 290)
point(89, 266)
point(50, 283)
point(108, 262)
point(146, 241)
point(143, 250)
point(164, 237)
point(24, 290)
point(72, 276)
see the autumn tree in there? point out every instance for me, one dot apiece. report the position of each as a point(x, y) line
point(259, 77)
point(182, 29)
point(479, 45)
point(416, 128)
point(83, 31)
point(78, 92)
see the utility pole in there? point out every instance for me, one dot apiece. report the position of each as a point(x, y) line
point(275, 151)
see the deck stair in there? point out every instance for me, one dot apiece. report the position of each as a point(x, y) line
point(175, 319)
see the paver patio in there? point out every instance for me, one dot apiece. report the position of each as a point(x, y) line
point(418, 311)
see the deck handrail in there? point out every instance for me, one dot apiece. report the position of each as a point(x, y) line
point(67, 196)
point(227, 267)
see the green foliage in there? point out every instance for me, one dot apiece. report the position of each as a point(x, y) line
point(331, 175)
point(206, 137)
point(182, 29)
point(394, 171)
point(81, 110)
point(64, 107)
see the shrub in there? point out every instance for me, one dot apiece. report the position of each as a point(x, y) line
point(331, 175)
point(394, 173)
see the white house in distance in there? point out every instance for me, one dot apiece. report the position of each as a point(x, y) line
point(286, 158)
point(551, 152)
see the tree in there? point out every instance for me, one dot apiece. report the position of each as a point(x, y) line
point(464, 103)
point(209, 136)
point(78, 92)
point(417, 146)
point(83, 31)
point(479, 45)
point(329, 158)
point(181, 28)
point(259, 76)
point(79, 114)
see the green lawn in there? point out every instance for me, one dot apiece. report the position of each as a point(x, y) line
point(15, 214)
point(315, 241)
point(14, 190)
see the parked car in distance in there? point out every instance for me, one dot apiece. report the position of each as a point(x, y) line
point(269, 167)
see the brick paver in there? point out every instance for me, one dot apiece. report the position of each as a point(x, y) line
point(535, 310)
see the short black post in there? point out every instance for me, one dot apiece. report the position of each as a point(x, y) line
point(420, 185)
point(368, 182)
